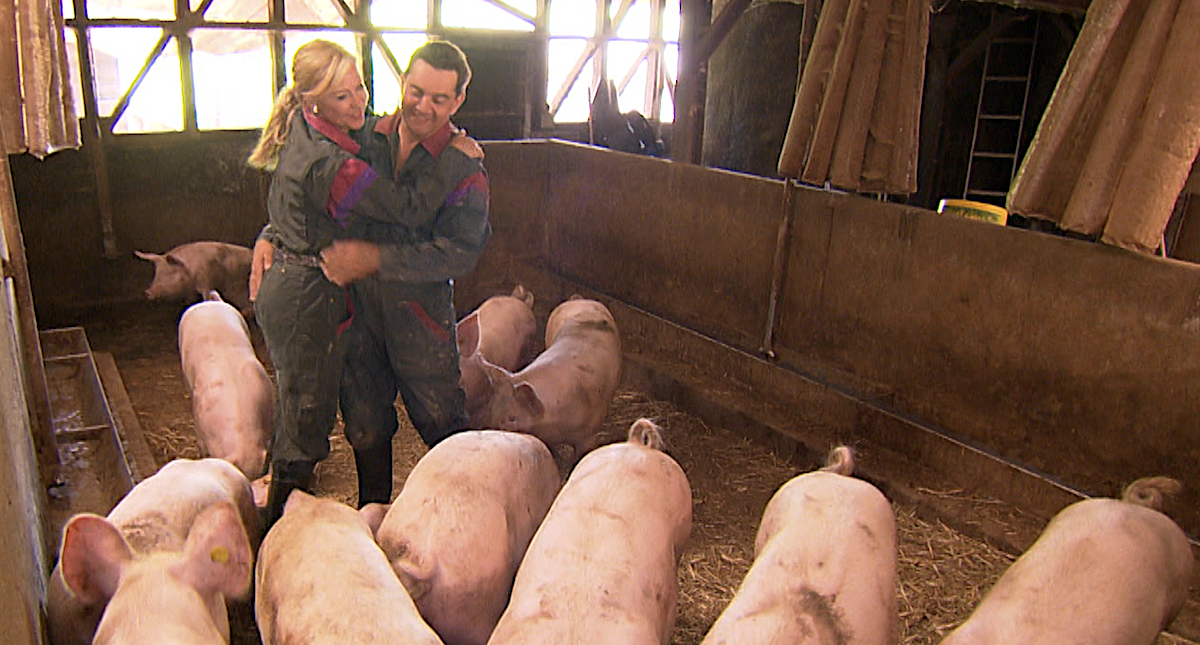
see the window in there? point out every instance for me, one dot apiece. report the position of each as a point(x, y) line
point(151, 74)
point(638, 50)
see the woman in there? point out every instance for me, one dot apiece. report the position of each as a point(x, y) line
point(319, 189)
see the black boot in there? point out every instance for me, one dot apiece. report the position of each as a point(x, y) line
point(374, 474)
point(286, 477)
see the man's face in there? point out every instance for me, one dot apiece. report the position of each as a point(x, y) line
point(429, 98)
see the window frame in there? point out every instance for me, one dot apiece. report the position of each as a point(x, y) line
point(369, 39)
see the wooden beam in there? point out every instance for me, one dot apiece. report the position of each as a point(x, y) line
point(37, 396)
point(697, 42)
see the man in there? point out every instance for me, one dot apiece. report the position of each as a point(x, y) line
point(402, 338)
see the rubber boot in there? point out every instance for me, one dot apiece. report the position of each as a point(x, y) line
point(374, 474)
point(286, 477)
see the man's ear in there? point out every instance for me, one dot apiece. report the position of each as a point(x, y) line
point(458, 101)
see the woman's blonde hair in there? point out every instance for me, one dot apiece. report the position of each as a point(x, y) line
point(316, 66)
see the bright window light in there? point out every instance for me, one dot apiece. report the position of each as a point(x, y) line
point(118, 54)
point(401, 14)
point(481, 14)
point(141, 10)
point(232, 78)
point(563, 53)
point(575, 18)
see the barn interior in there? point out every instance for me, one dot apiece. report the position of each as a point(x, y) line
point(1034, 363)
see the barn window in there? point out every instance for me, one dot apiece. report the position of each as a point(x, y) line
point(195, 65)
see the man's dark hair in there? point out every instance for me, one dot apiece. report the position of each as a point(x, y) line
point(444, 55)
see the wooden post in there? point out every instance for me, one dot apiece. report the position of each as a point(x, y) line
point(779, 268)
point(37, 396)
point(697, 42)
point(688, 130)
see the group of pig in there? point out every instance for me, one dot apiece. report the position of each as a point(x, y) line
point(486, 544)
point(483, 544)
point(560, 395)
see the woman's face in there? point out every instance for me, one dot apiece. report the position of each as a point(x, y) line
point(345, 104)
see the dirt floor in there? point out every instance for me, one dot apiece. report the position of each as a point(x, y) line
point(942, 573)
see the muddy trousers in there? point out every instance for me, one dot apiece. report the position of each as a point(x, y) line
point(301, 315)
point(402, 343)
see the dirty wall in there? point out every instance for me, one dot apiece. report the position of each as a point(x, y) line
point(1070, 358)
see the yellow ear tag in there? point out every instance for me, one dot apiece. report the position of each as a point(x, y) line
point(219, 554)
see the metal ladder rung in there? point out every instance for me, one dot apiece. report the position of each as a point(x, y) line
point(1014, 40)
point(983, 119)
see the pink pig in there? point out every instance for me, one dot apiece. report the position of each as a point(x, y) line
point(156, 516)
point(824, 571)
point(196, 268)
point(563, 395)
point(602, 569)
point(322, 579)
point(165, 597)
point(457, 531)
point(233, 399)
point(501, 332)
point(1103, 572)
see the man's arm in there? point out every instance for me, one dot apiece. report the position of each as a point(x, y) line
point(460, 233)
point(353, 189)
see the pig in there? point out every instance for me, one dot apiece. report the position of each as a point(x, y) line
point(165, 597)
point(502, 331)
point(155, 516)
point(193, 269)
point(458, 529)
point(233, 399)
point(1103, 572)
point(824, 570)
point(321, 578)
point(563, 395)
point(602, 568)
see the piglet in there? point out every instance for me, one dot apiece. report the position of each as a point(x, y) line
point(196, 268)
point(322, 579)
point(501, 331)
point(563, 395)
point(156, 516)
point(233, 400)
point(1103, 572)
point(602, 569)
point(458, 530)
point(824, 571)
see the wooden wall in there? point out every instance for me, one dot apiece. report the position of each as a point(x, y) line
point(1067, 357)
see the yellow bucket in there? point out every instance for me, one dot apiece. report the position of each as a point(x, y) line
point(974, 210)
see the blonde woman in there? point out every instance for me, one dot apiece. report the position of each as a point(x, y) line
point(322, 191)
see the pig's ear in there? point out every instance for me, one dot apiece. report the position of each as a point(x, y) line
point(171, 259)
point(468, 335)
point(147, 256)
point(93, 553)
point(216, 556)
point(373, 515)
point(528, 398)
